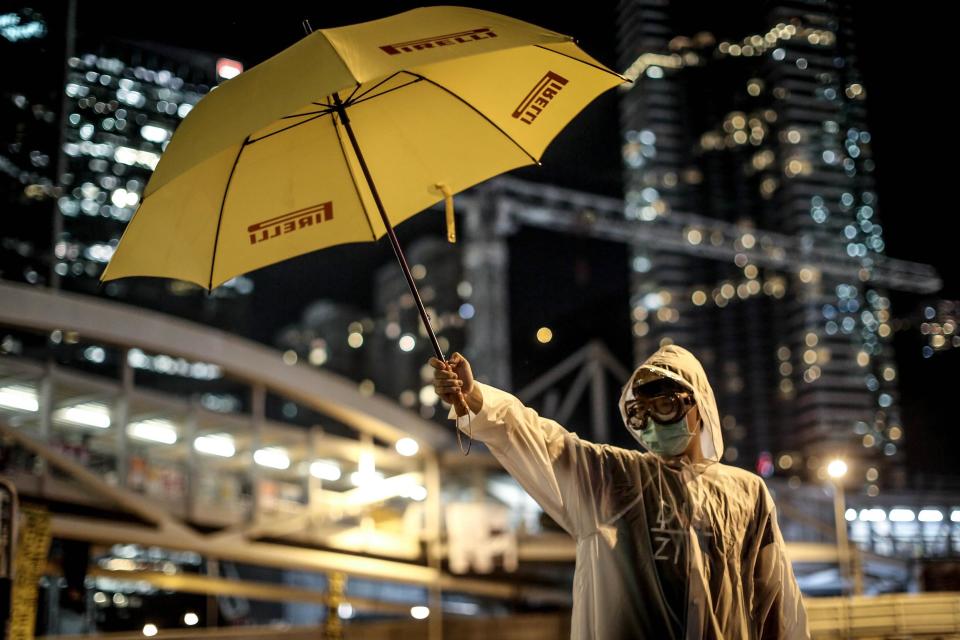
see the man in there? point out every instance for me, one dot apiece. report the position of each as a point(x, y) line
point(670, 542)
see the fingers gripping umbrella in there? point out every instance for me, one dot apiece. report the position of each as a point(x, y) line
point(348, 133)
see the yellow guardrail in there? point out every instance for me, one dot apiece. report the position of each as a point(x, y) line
point(891, 617)
point(900, 615)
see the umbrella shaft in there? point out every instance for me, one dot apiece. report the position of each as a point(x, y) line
point(345, 119)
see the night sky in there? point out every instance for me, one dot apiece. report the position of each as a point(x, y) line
point(904, 64)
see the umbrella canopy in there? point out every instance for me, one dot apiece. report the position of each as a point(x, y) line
point(262, 169)
point(349, 132)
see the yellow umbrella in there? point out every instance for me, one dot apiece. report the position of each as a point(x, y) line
point(349, 132)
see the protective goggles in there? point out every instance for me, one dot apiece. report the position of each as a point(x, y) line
point(663, 400)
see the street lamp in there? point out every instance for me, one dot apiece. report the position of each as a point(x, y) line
point(837, 469)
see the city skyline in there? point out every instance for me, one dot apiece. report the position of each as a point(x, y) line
point(561, 164)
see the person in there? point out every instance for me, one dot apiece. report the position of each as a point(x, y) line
point(670, 543)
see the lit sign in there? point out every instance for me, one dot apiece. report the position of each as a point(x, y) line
point(227, 68)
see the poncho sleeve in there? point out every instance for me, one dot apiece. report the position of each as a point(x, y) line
point(563, 473)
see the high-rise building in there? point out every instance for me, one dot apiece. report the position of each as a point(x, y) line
point(86, 119)
point(761, 122)
point(32, 49)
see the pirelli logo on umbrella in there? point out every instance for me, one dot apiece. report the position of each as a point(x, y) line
point(463, 37)
point(290, 222)
point(539, 97)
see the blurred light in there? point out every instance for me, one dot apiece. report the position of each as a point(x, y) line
point(642, 264)
point(699, 298)
point(464, 289)
point(407, 342)
point(273, 457)
point(190, 618)
point(318, 355)
point(227, 68)
point(466, 311)
point(345, 610)
point(873, 515)
point(366, 473)
point(407, 447)
point(851, 515)
point(20, 397)
point(153, 430)
point(216, 444)
point(428, 395)
point(902, 515)
point(100, 598)
point(121, 564)
point(955, 516)
point(290, 357)
point(417, 492)
point(837, 468)
point(355, 340)
point(765, 464)
point(149, 630)
point(392, 330)
point(153, 133)
point(420, 612)
point(544, 335)
point(88, 414)
point(930, 515)
point(366, 387)
point(325, 470)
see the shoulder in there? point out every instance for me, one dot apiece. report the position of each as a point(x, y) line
point(607, 459)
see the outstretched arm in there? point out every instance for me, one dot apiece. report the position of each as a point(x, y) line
point(548, 461)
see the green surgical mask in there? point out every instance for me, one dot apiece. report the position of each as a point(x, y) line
point(666, 439)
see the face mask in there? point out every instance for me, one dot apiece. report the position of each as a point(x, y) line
point(666, 439)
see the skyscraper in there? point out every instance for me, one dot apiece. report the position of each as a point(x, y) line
point(85, 122)
point(32, 49)
point(760, 121)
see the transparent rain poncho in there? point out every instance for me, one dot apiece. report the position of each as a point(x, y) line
point(665, 548)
